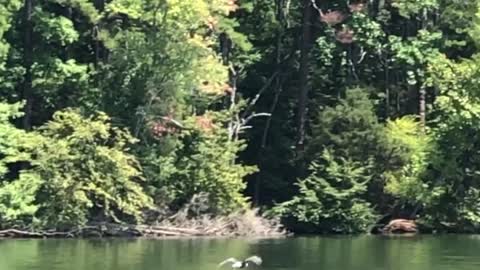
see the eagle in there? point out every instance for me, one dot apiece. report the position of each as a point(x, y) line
point(242, 264)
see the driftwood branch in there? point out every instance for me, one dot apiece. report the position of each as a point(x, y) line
point(38, 234)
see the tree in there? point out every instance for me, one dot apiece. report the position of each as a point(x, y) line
point(330, 198)
point(203, 162)
point(410, 153)
point(87, 172)
point(304, 71)
point(46, 66)
point(17, 189)
point(78, 170)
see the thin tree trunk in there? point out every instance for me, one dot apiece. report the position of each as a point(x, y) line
point(100, 4)
point(99, 48)
point(235, 121)
point(97, 45)
point(421, 108)
point(387, 103)
point(278, 90)
point(278, 80)
point(225, 48)
point(67, 53)
point(422, 90)
point(398, 107)
point(304, 77)
point(27, 90)
point(387, 89)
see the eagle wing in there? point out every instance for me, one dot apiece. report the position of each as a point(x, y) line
point(255, 259)
point(229, 260)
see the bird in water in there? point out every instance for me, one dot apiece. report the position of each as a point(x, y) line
point(242, 264)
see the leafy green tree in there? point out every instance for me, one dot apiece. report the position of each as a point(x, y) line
point(7, 9)
point(350, 128)
point(47, 66)
point(87, 173)
point(331, 198)
point(410, 153)
point(17, 190)
point(342, 167)
point(204, 161)
point(162, 62)
point(75, 170)
point(454, 203)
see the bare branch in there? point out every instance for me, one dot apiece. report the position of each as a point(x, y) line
point(362, 56)
point(171, 120)
point(314, 4)
point(244, 127)
point(254, 115)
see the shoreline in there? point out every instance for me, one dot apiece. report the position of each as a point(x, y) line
point(97, 233)
point(133, 231)
point(207, 237)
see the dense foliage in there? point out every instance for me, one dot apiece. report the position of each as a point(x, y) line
point(333, 115)
point(70, 167)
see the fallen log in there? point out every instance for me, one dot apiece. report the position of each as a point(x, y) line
point(147, 232)
point(172, 229)
point(105, 230)
point(34, 234)
point(15, 232)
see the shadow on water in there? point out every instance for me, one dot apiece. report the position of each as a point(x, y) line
point(459, 252)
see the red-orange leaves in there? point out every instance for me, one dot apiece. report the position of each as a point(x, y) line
point(204, 123)
point(232, 5)
point(332, 17)
point(356, 7)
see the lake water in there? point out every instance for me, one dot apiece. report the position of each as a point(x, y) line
point(459, 252)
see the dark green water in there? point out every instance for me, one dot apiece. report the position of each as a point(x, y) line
point(342, 253)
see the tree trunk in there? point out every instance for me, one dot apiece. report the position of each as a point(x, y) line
point(278, 89)
point(304, 76)
point(422, 91)
point(225, 50)
point(27, 94)
point(100, 4)
point(387, 88)
point(421, 108)
point(98, 47)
